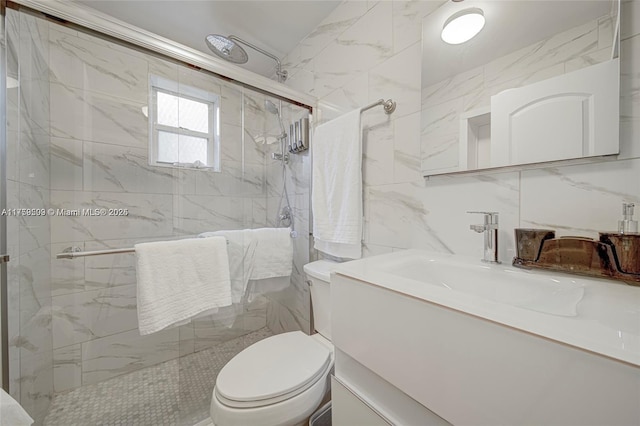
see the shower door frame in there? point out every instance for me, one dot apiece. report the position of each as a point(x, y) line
point(4, 259)
point(102, 23)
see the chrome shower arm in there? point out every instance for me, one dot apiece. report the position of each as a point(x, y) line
point(279, 72)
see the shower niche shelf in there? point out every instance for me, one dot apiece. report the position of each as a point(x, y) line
point(475, 139)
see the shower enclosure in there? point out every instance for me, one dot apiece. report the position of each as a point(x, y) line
point(79, 140)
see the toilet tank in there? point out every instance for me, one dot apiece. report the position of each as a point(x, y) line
point(318, 274)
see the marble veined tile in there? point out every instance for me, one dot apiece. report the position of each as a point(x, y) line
point(224, 326)
point(302, 80)
point(606, 28)
point(85, 316)
point(398, 78)
point(96, 67)
point(289, 309)
point(231, 143)
point(552, 51)
point(34, 48)
point(162, 68)
point(112, 270)
point(33, 159)
point(482, 97)
point(148, 215)
point(589, 59)
point(233, 180)
point(629, 19)
point(407, 164)
point(231, 104)
point(35, 106)
point(459, 85)
point(254, 110)
point(35, 279)
point(97, 117)
point(194, 214)
point(120, 168)
point(33, 231)
point(433, 215)
point(338, 21)
point(352, 95)
point(67, 368)
point(364, 45)
point(579, 200)
point(67, 275)
point(36, 384)
point(66, 164)
point(629, 98)
point(125, 352)
point(442, 119)
point(35, 328)
point(377, 154)
point(440, 135)
point(199, 79)
point(115, 269)
point(407, 21)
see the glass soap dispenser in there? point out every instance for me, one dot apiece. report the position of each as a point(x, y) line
point(627, 225)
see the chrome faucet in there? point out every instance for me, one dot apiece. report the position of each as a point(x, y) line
point(490, 230)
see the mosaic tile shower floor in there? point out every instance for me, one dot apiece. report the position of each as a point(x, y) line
point(176, 392)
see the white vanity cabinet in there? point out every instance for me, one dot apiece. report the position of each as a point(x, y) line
point(574, 115)
point(419, 353)
point(347, 408)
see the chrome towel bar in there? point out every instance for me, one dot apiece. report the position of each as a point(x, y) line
point(73, 252)
point(389, 106)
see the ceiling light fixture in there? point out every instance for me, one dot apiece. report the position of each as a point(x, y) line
point(463, 26)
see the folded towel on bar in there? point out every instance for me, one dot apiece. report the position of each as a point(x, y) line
point(256, 254)
point(179, 280)
point(336, 185)
point(273, 253)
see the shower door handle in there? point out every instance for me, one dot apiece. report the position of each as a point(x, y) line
point(4, 258)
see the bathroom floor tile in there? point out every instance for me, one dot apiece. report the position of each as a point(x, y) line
point(176, 392)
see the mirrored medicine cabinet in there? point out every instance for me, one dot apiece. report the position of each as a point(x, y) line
point(539, 83)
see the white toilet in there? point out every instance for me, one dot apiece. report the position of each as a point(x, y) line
point(280, 380)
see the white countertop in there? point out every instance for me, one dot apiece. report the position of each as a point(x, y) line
point(606, 319)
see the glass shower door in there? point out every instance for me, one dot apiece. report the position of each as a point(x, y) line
point(4, 257)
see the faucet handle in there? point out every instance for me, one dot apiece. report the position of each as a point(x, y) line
point(490, 218)
point(485, 213)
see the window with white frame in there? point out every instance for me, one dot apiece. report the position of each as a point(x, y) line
point(183, 125)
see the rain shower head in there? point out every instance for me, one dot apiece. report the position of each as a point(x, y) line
point(227, 49)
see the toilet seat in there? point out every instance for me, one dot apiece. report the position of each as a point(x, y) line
point(273, 370)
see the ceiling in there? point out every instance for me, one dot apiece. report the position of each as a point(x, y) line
point(510, 25)
point(275, 26)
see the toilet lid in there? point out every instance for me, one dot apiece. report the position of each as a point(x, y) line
point(278, 367)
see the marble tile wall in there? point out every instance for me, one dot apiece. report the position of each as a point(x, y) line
point(29, 237)
point(366, 50)
point(289, 309)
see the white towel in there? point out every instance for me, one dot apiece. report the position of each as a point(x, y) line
point(256, 254)
point(177, 280)
point(273, 253)
point(337, 186)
